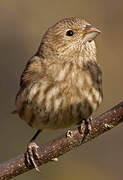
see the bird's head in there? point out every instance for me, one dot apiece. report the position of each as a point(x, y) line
point(71, 37)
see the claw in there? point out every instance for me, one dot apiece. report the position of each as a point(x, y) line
point(31, 153)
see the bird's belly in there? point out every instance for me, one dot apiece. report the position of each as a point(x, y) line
point(62, 118)
point(61, 112)
point(57, 108)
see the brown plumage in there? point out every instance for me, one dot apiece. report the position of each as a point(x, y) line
point(62, 82)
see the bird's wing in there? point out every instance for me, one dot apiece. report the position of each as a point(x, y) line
point(31, 71)
point(31, 74)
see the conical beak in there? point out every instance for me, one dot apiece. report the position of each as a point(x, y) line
point(90, 33)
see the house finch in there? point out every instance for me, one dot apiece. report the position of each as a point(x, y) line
point(62, 83)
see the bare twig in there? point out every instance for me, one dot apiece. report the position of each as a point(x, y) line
point(88, 130)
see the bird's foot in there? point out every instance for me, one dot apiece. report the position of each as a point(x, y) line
point(32, 154)
point(85, 126)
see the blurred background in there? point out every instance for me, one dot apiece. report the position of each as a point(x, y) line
point(22, 24)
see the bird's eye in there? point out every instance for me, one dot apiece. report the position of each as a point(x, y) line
point(69, 33)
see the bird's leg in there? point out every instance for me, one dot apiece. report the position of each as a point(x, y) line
point(35, 135)
point(31, 153)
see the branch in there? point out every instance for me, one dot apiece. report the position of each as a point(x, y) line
point(88, 130)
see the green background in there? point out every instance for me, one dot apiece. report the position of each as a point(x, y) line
point(22, 24)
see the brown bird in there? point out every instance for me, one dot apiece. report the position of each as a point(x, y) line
point(62, 83)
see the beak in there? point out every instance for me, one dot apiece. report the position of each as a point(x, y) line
point(90, 33)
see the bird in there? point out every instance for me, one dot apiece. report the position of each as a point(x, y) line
point(61, 83)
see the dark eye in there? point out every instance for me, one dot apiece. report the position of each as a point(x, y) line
point(69, 33)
